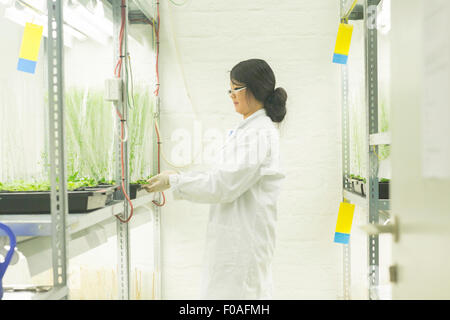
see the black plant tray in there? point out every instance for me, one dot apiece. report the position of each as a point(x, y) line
point(136, 191)
point(383, 188)
point(81, 200)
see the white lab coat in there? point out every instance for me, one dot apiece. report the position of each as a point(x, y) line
point(242, 189)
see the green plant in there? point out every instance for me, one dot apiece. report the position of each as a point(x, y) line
point(92, 135)
point(384, 151)
point(357, 142)
point(142, 181)
point(384, 180)
point(140, 130)
point(89, 135)
point(73, 182)
point(20, 185)
point(105, 181)
point(91, 138)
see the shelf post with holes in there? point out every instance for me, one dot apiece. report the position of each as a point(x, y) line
point(346, 271)
point(371, 60)
point(58, 195)
point(123, 239)
point(156, 208)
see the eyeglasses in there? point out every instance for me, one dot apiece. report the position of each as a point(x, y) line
point(236, 90)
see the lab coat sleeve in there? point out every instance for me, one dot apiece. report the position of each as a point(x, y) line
point(239, 170)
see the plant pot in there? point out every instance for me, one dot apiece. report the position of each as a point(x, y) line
point(82, 200)
point(363, 188)
point(352, 184)
point(357, 186)
point(383, 190)
point(136, 191)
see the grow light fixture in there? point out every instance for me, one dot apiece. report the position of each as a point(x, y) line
point(92, 24)
point(21, 17)
point(22, 13)
point(80, 23)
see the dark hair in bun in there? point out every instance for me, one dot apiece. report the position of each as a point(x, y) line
point(275, 105)
point(259, 78)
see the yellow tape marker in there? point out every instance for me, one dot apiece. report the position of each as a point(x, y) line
point(343, 41)
point(29, 50)
point(344, 223)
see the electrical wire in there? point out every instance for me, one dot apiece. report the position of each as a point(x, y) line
point(118, 73)
point(179, 4)
point(122, 139)
point(159, 169)
point(183, 75)
point(155, 28)
point(156, 35)
point(131, 82)
point(155, 31)
point(375, 152)
point(123, 183)
point(118, 69)
point(170, 163)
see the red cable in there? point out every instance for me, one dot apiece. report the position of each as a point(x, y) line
point(119, 65)
point(159, 146)
point(156, 92)
point(123, 178)
point(121, 35)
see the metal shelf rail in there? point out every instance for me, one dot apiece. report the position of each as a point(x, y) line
point(39, 225)
point(59, 226)
point(375, 206)
point(58, 195)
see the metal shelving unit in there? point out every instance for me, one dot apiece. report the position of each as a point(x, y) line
point(376, 207)
point(49, 236)
point(39, 225)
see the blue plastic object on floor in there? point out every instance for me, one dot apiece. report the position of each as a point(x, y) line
point(4, 265)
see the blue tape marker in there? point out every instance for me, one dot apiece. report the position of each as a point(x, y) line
point(340, 58)
point(341, 237)
point(26, 65)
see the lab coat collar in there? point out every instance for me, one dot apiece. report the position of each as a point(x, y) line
point(256, 114)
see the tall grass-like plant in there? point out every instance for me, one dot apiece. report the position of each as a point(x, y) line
point(357, 127)
point(140, 133)
point(90, 135)
point(384, 150)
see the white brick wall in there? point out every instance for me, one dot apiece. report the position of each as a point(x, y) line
point(296, 38)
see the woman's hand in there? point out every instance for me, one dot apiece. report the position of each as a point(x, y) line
point(159, 182)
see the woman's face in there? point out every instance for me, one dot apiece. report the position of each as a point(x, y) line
point(241, 99)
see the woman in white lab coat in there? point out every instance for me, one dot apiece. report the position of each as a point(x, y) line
point(242, 190)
